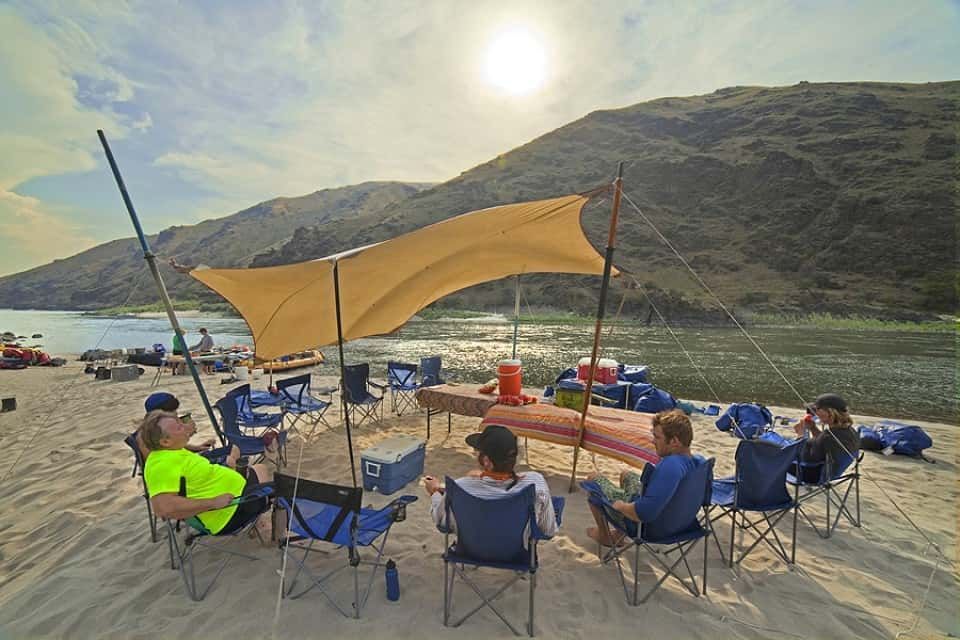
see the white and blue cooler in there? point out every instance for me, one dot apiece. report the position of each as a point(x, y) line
point(392, 463)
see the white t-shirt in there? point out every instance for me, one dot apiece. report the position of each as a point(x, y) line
point(486, 487)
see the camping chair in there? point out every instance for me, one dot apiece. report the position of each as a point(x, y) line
point(759, 486)
point(249, 445)
point(181, 552)
point(498, 533)
point(828, 478)
point(217, 456)
point(678, 528)
point(357, 396)
point(330, 513)
point(247, 417)
point(299, 402)
point(430, 377)
point(402, 378)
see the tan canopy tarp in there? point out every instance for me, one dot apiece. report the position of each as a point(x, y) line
point(291, 308)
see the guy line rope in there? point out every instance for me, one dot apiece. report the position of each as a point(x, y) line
point(941, 558)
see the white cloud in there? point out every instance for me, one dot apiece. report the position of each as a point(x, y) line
point(143, 123)
point(34, 234)
point(44, 130)
point(235, 104)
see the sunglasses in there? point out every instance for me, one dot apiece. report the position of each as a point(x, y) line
point(185, 417)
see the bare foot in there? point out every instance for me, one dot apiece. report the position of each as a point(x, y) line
point(593, 475)
point(623, 475)
point(594, 533)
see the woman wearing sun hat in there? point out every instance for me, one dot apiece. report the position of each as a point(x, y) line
point(835, 435)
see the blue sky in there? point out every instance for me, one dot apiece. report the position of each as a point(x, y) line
point(213, 106)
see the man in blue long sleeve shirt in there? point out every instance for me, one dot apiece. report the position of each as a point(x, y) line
point(672, 436)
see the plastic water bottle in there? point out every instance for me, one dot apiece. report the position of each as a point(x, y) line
point(393, 581)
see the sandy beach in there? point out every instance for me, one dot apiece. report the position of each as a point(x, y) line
point(76, 559)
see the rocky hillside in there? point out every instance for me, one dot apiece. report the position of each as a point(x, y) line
point(836, 197)
point(106, 275)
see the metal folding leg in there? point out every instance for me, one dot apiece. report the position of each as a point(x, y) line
point(181, 557)
point(434, 412)
point(321, 583)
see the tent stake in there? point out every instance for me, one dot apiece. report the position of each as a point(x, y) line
point(164, 297)
point(607, 265)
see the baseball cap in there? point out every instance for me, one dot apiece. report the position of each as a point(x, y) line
point(161, 400)
point(828, 401)
point(496, 442)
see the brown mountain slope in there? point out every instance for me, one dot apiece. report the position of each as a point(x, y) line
point(838, 197)
point(821, 197)
point(107, 274)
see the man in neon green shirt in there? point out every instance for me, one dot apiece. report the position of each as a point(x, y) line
point(209, 488)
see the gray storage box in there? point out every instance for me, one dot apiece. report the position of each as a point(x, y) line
point(125, 373)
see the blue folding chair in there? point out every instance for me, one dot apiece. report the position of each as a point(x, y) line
point(216, 456)
point(330, 513)
point(430, 377)
point(181, 552)
point(402, 380)
point(678, 528)
point(357, 397)
point(296, 400)
point(827, 479)
point(246, 416)
point(430, 371)
point(265, 398)
point(498, 533)
point(759, 485)
point(249, 445)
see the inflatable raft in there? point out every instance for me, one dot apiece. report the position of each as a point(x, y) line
point(293, 361)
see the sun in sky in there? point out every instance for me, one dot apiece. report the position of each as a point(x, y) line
point(516, 61)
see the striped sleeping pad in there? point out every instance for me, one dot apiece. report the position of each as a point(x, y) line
point(624, 435)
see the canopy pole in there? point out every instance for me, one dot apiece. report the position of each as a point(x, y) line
point(607, 265)
point(155, 272)
point(343, 374)
point(516, 315)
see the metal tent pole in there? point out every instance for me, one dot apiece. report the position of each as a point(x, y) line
point(343, 376)
point(164, 297)
point(516, 315)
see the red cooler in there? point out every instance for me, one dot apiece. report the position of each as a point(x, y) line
point(606, 372)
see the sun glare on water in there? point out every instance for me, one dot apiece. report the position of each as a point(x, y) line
point(516, 62)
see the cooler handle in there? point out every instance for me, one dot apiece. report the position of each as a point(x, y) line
point(369, 469)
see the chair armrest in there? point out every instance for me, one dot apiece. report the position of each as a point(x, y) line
point(218, 455)
point(326, 391)
point(264, 490)
point(379, 385)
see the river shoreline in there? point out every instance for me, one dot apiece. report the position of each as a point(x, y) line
point(938, 323)
point(907, 374)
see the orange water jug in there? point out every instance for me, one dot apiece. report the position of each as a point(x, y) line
point(510, 375)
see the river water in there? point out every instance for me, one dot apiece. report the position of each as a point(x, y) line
point(889, 373)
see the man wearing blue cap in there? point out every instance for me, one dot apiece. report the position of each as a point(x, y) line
point(168, 402)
